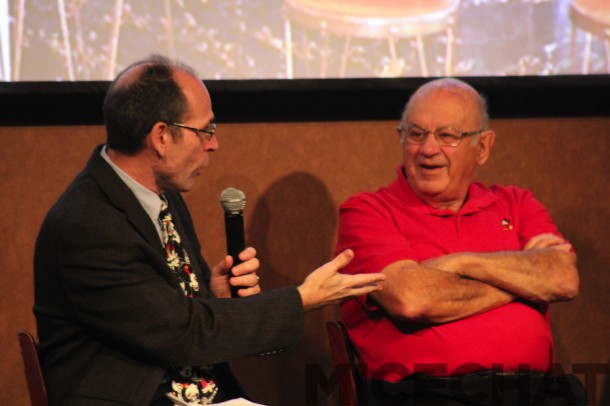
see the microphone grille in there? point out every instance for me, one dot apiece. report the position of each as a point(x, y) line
point(232, 200)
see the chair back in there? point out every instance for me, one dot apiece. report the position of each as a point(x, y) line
point(350, 371)
point(33, 373)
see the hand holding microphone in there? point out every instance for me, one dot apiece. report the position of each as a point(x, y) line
point(323, 286)
point(233, 202)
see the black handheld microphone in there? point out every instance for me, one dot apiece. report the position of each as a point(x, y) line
point(233, 202)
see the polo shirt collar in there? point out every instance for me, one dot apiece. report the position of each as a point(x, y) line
point(479, 197)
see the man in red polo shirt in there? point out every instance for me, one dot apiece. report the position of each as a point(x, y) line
point(470, 269)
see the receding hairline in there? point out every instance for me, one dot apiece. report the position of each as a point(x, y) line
point(454, 86)
point(447, 84)
point(133, 72)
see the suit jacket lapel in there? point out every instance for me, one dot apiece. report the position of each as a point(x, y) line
point(123, 198)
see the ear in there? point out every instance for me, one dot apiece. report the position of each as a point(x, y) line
point(159, 138)
point(486, 142)
point(399, 133)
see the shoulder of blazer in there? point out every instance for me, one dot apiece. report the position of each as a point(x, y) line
point(120, 196)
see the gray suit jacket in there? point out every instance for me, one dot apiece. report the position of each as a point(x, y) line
point(111, 315)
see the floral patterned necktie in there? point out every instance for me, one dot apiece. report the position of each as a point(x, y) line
point(195, 384)
point(175, 254)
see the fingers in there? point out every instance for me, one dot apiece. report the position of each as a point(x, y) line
point(249, 262)
point(566, 247)
point(326, 285)
point(247, 280)
point(359, 285)
point(246, 267)
point(340, 260)
point(244, 274)
point(249, 291)
point(350, 283)
point(249, 284)
point(365, 280)
point(247, 254)
point(222, 267)
point(544, 241)
point(365, 290)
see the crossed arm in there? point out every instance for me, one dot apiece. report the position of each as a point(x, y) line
point(459, 285)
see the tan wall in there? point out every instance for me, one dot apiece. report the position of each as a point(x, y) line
point(295, 176)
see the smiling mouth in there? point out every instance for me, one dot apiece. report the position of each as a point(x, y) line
point(430, 167)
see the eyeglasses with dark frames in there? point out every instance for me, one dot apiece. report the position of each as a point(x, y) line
point(446, 136)
point(209, 130)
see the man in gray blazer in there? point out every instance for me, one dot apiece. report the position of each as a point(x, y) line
point(127, 314)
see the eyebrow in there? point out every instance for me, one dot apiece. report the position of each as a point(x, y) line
point(437, 128)
point(207, 124)
point(210, 122)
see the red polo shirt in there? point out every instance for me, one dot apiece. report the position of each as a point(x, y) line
point(393, 224)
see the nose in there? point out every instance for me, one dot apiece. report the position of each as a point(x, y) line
point(430, 146)
point(212, 144)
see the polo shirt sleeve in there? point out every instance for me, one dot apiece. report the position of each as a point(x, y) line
point(531, 217)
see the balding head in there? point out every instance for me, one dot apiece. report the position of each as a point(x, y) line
point(143, 94)
point(453, 87)
point(439, 165)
